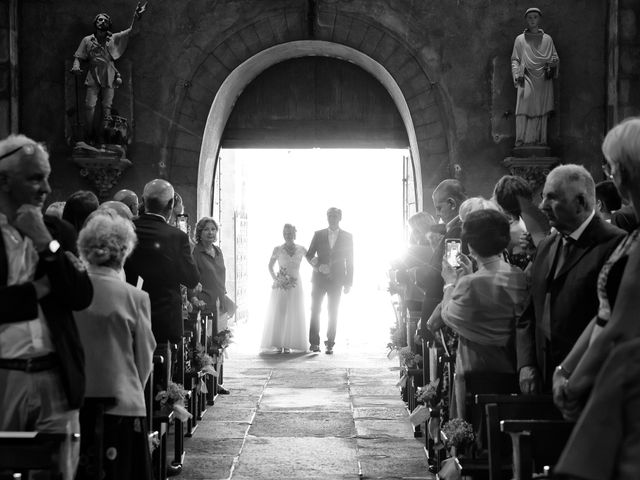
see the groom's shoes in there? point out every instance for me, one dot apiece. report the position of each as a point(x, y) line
point(315, 348)
point(329, 350)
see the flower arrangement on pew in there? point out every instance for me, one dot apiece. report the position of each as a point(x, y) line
point(409, 359)
point(203, 363)
point(458, 435)
point(222, 339)
point(398, 340)
point(173, 398)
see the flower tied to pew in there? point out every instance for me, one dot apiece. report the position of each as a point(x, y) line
point(173, 397)
point(410, 359)
point(203, 363)
point(398, 340)
point(222, 339)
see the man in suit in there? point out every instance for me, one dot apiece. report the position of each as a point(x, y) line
point(447, 198)
point(564, 275)
point(162, 260)
point(41, 358)
point(331, 254)
point(129, 198)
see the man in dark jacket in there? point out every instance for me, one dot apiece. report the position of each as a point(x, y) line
point(162, 261)
point(564, 275)
point(41, 357)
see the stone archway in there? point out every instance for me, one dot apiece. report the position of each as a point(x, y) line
point(243, 53)
point(235, 83)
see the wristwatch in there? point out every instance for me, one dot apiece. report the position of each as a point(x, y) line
point(52, 247)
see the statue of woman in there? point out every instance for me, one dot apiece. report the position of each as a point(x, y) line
point(534, 65)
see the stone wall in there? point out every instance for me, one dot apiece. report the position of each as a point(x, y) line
point(441, 53)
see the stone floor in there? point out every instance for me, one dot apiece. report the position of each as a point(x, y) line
point(307, 416)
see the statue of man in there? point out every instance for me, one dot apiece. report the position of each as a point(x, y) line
point(534, 65)
point(101, 50)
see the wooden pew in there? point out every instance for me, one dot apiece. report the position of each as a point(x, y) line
point(22, 452)
point(92, 436)
point(160, 419)
point(536, 444)
point(510, 407)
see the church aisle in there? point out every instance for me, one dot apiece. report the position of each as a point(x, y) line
point(307, 416)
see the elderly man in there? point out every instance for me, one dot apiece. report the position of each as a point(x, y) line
point(129, 198)
point(447, 198)
point(563, 275)
point(331, 254)
point(162, 261)
point(41, 357)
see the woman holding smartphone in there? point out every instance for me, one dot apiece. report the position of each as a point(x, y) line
point(482, 306)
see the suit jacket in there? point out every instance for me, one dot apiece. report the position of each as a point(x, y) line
point(163, 260)
point(116, 333)
point(71, 289)
point(430, 279)
point(339, 258)
point(574, 299)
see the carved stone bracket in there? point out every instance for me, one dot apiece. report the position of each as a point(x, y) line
point(533, 169)
point(101, 172)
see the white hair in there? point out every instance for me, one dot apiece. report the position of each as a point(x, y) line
point(14, 142)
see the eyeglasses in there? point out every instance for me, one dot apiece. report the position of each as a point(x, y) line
point(29, 149)
point(606, 168)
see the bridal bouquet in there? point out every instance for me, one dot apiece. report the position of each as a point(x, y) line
point(284, 280)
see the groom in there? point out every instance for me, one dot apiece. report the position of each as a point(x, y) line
point(331, 254)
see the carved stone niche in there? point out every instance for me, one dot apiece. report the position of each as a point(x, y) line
point(533, 169)
point(102, 172)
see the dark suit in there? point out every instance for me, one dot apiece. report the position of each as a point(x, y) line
point(163, 260)
point(340, 262)
point(573, 295)
point(430, 278)
point(71, 290)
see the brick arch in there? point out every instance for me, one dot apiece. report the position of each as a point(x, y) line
point(231, 64)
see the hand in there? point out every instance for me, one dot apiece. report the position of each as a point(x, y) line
point(30, 223)
point(198, 288)
point(466, 265)
point(559, 383)
point(140, 9)
point(77, 263)
point(75, 70)
point(314, 261)
point(449, 274)
point(43, 287)
point(529, 380)
point(346, 289)
point(526, 243)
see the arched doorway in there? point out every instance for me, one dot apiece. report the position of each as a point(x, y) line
point(245, 73)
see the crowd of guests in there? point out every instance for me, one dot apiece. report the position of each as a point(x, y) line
point(544, 296)
point(87, 292)
point(542, 292)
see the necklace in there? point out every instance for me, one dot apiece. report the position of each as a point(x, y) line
point(290, 249)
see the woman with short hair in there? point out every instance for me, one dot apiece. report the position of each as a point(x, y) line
point(115, 331)
point(482, 306)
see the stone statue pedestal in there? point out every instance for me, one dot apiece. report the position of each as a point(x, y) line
point(101, 167)
point(534, 169)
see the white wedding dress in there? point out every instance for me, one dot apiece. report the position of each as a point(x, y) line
point(285, 324)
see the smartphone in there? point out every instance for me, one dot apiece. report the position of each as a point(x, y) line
point(182, 222)
point(452, 247)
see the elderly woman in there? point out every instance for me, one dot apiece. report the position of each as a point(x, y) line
point(602, 368)
point(210, 262)
point(115, 331)
point(482, 306)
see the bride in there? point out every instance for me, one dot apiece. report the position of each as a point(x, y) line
point(285, 327)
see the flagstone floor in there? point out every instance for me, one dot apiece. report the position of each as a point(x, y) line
point(307, 416)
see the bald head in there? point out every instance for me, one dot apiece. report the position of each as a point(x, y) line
point(447, 198)
point(129, 198)
point(158, 197)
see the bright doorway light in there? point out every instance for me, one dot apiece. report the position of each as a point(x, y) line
point(297, 187)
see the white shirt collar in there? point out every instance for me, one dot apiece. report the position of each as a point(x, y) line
point(157, 215)
point(577, 233)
